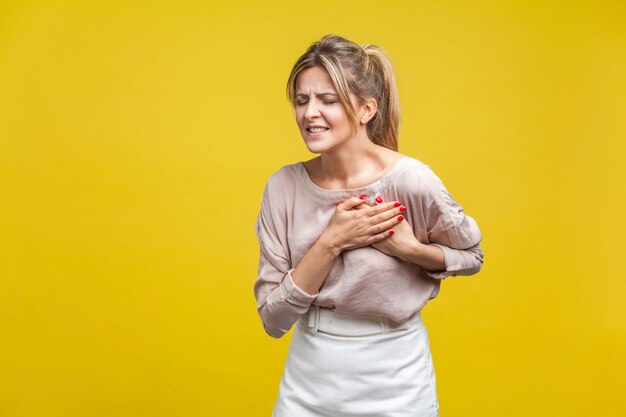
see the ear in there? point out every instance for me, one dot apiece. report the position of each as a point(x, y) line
point(368, 110)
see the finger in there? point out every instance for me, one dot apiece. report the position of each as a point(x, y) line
point(361, 206)
point(381, 222)
point(381, 207)
point(389, 209)
point(351, 202)
point(385, 220)
point(380, 236)
point(388, 224)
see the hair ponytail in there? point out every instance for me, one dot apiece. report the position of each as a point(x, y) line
point(384, 128)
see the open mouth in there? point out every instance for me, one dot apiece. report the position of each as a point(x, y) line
point(316, 130)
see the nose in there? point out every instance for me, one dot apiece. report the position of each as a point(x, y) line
point(312, 109)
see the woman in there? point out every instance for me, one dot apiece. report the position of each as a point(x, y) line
point(354, 243)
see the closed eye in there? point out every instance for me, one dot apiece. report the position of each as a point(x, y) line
point(324, 101)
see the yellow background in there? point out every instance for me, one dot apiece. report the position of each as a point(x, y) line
point(135, 141)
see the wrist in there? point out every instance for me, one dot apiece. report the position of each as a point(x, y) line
point(414, 253)
point(428, 256)
point(328, 244)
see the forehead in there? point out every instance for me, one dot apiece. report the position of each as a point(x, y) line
point(314, 80)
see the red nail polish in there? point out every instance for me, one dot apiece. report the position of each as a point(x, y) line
point(396, 204)
point(400, 218)
point(391, 232)
point(363, 197)
point(338, 203)
point(379, 200)
point(402, 208)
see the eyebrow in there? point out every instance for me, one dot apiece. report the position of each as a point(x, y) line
point(327, 93)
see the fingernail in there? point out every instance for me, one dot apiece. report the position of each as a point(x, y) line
point(363, 197)
point(396, 204)
point(402, 208)
point(391, 232)
point(379, 200)
point(338, 203)
point(400, 218)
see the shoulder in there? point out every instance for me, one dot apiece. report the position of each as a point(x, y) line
point(280, 185)
point(414, 172)
point(283, 176)
point(412, 164)
point(418, 181)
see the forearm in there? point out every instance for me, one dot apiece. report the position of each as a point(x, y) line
point(429, 257)
point(440, 261)
point(286, 302)
point(311, 271)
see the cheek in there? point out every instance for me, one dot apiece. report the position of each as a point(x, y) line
point(337, 118)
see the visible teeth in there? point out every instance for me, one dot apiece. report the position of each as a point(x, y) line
point(317, 129)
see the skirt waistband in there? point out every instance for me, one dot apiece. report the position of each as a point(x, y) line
point(324, 320)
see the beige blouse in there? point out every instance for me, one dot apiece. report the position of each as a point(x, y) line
point(364, 281)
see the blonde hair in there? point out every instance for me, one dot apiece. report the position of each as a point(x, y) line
point(363, 70)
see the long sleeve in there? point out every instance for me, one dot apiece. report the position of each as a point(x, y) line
point(449, 228)
point(280, 302)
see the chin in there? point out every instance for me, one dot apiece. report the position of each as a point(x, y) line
point(315, 147)
point(320, 145)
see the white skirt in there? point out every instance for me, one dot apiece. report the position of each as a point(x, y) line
point(341, 365)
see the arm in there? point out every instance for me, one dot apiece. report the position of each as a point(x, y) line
point(441, 261)
point(428, 256)
point(313, 268)
point(279, 300)
point(280, 306)
point(285, 293)
point(454, 237)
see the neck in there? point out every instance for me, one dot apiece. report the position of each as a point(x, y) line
point(357, 158)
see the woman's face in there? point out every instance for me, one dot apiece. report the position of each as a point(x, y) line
point(317, 105)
